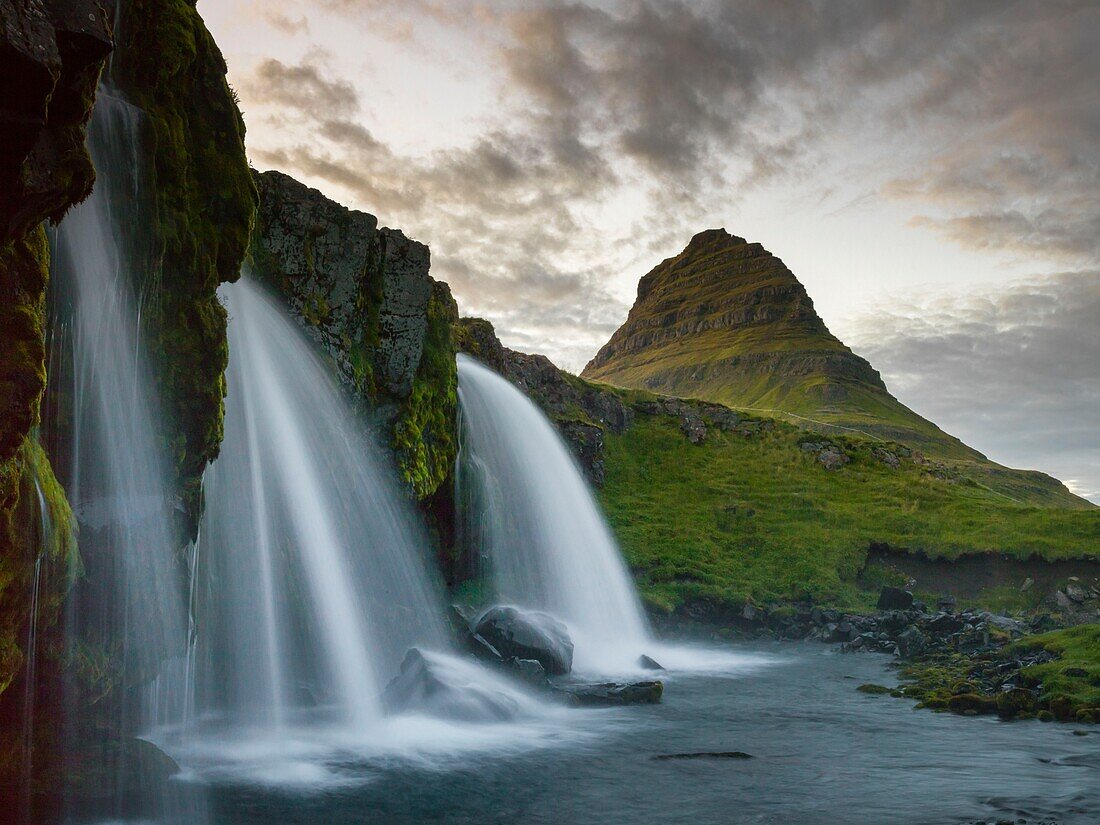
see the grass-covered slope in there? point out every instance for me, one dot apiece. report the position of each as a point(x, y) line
point(727, 321)
point(754, 515)
point(713, 503)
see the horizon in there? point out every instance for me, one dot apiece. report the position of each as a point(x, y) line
point(934, 191)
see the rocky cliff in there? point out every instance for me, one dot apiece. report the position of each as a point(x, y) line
point(727, 321)
point(202, 210)
point(365, 295)
point(51, 56)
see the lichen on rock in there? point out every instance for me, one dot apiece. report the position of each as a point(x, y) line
point(364, 294)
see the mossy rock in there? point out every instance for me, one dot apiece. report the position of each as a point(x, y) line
point(1016, 703)
point(201, 217)
point(874, 690)
point(973, 702)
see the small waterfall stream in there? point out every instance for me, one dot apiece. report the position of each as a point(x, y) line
point(318, 577)
point(533, 521)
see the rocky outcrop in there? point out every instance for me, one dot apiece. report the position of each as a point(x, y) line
point(51, 56)
point(524, 634)
point(203, 203)
point(365, 295)
point(426, 685)
point(610, 694)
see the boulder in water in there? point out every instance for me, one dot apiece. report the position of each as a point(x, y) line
point(427, 685)
point(648, 663)
point(613, 693)
point(530, 671)
point(523, 634)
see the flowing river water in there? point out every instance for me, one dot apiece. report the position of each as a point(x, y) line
point(822, 753)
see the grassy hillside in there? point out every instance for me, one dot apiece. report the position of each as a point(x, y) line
point(708, 502)
point(757, 516)
point(726, 321)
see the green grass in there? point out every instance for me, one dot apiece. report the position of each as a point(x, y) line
point(1072, 681)
point(755, 516)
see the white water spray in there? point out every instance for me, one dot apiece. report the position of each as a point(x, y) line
point(315, 563)
point(535, 524)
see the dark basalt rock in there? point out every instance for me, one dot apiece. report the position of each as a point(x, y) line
point(423, 686)
point(614, 693)
point(703, 755)
point(894, 598)
point(524, 634)
point(530, 671)
point(365, 295)
point(51, 55)
point(330, 263)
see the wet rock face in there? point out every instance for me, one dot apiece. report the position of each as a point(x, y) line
point(51, 55)
point(365, 295)
point(361, 292)
point(424, 685)
point(523, 634)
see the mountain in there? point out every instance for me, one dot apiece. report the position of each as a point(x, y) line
point(726, 321)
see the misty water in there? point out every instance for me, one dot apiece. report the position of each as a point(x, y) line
point(823, 753)
point(533, 526)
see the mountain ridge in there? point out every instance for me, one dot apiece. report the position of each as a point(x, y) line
point(727, 321)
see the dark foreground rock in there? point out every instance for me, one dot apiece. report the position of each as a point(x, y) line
point(703, 755)
point(894, 598)
point(522, 634)
point(425, 685)
point(613, 693)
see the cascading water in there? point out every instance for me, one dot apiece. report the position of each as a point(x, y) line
point(531, 518)
point(312, 580)
point(319, 582)
point(130, 606)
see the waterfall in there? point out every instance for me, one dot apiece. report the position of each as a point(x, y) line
point(529, 515)
point(129, 610)
point(318, 581)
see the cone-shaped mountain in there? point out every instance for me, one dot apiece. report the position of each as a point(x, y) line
point(727, 321)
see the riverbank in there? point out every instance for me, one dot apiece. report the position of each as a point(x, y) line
point(969, 661)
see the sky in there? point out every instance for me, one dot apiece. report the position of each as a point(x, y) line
point(929, 170)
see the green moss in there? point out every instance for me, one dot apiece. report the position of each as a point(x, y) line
point(1067, 688)
point(1071, 683)
point(205, 201)
point(424, 436)
point(24, 273)
point(29, 534)
point(874, 690)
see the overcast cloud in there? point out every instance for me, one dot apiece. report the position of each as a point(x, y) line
point(883, 149)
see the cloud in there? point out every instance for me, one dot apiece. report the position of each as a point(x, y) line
point(623, 127)
point(1013, 371)
point(285, 23)
point(302, 87)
